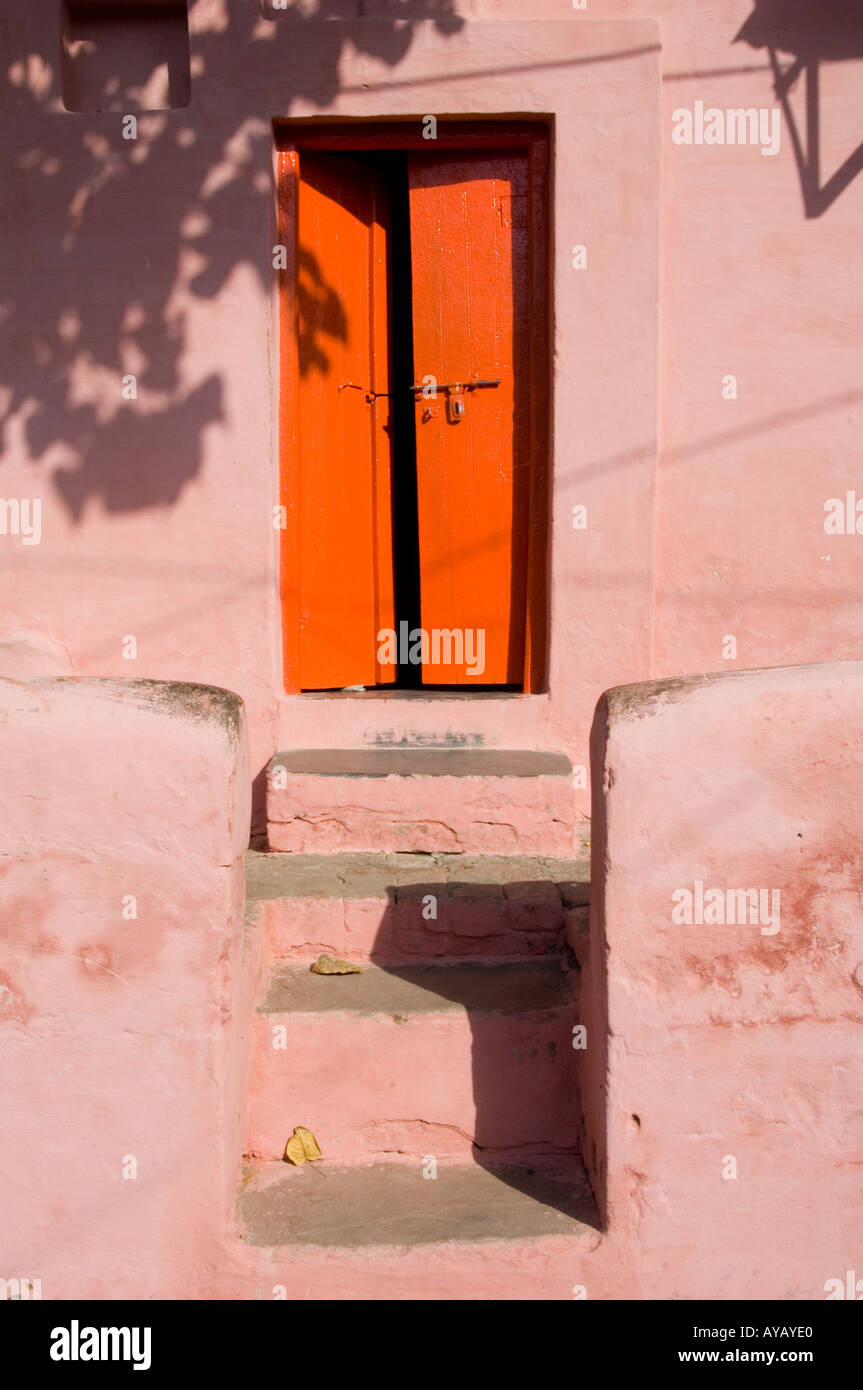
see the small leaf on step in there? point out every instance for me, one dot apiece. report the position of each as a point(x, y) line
point(328, 965)
point(301, 1147)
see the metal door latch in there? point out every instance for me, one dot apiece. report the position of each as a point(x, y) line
point(369, 395)
point(454, 391)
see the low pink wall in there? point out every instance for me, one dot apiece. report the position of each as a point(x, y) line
point(714, 1048)
point(122, 1037)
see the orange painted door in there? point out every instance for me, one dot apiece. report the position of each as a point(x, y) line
point(471, 277)
point(341, 464)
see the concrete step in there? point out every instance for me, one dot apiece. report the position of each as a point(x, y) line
point(393, 1205)
point(417, 1060)
point(428, 800)
point(405, 907)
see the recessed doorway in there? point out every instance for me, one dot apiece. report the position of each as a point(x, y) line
point(414, 342)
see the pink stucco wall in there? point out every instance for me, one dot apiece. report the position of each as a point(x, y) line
point(722, 1074)
point(125, 984)
point(152, 257)
point(125, 1087)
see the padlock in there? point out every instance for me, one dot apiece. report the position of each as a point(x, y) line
point(455, 404)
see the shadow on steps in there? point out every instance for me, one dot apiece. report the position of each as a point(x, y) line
point(491, 949)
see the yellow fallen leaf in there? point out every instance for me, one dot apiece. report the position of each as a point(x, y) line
point(328, 965)
point(301, 1147)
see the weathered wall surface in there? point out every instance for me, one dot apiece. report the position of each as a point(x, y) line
point(722, 1075)
point(124, 984)
point(723, 1071)
point(153, 258)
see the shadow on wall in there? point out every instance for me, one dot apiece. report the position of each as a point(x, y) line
point(812, 32)
point(137, 229)
point(109, 297)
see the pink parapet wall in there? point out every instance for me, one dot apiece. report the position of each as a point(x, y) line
point(722, 1073)
point(124, 1002)
point(723, 1070)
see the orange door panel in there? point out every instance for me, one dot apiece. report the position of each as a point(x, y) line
point(471, 281)
point(338, 573)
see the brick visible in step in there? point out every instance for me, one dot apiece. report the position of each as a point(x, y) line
point(402, 906)
point(518, 987)
point(394, 1205)
point(431, 800)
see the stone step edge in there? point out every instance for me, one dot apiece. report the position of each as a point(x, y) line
point(272, 875)
point(419, 763)
point(412, 991)
point(269, 1190)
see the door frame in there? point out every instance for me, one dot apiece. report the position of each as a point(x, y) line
point(292, 138)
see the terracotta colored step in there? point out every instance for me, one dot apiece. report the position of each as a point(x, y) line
point(419, 1060)
point(405, 907)
point(428, 800)
point(390, 1205)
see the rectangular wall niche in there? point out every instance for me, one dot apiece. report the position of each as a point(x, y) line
point(125, 55)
